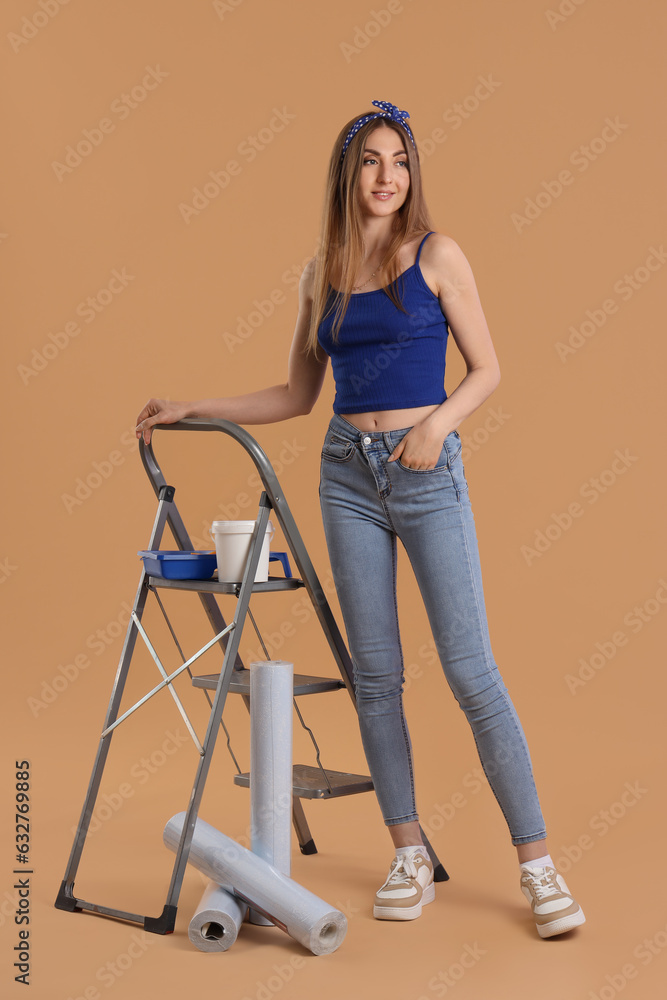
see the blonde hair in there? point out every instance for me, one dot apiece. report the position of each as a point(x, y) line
point(341, 242)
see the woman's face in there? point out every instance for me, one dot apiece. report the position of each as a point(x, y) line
point(385, 177)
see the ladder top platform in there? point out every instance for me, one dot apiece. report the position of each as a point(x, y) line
point(215, 587)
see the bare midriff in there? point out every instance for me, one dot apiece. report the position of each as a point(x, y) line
point(390, 420)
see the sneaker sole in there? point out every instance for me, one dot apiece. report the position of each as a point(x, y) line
point(405, 912)
point(562, 925)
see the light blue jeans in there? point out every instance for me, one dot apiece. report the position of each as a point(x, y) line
point(367, 504)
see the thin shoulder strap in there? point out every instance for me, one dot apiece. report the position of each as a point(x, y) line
point(419, 252)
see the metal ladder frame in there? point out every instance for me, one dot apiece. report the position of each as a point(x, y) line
point(272, 498)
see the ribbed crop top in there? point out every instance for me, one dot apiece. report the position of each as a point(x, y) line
point(385, 359)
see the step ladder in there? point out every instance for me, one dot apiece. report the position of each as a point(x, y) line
point(309, 781)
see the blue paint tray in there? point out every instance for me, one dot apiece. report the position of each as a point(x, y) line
point(179, 565)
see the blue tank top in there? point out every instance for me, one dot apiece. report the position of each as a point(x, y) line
point(386, 359)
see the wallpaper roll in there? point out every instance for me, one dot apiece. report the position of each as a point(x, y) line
point(217, 920)
point(271, 694)
point(304, 916)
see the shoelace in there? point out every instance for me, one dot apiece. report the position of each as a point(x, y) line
point(544, 884)
point(400, 867)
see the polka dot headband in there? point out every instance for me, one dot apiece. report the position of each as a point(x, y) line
point(389, 111)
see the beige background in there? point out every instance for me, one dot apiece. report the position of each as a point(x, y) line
point(534, 88)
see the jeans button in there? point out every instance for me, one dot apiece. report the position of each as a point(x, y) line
point(367, 440)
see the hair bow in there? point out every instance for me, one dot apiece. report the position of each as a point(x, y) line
point(389, 111)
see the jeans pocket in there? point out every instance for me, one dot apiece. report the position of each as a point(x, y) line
point(455, 450)
point(441, 465)
point(337, 449)
point(451, 449)
point(453, 446)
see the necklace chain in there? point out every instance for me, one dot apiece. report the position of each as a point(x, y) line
point(355, 288)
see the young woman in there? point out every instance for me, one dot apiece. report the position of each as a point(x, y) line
point(379, 299)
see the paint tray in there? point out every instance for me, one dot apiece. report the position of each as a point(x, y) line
point(179, 565)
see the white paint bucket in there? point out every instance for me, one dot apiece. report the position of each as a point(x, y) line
point(232, 545)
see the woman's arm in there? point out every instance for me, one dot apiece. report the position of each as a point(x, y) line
point(298, 395)
point(446, 263)
point(460, 303)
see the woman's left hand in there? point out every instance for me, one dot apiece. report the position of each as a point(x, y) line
point(420, 448)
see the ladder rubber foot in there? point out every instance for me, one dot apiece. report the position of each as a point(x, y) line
point(309, 847)
point(164, 924)
point(440, 874)
point(65, 899)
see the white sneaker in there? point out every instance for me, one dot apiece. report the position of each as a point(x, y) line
point(554, 908)
point(408, 887)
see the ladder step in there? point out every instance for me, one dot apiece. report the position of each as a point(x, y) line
point(214, 587)
point(240, 683)
point(310, 783)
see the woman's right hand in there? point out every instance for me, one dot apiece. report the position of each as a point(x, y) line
point(159, 411)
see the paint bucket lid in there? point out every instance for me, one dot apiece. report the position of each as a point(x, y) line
point(237, 527)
